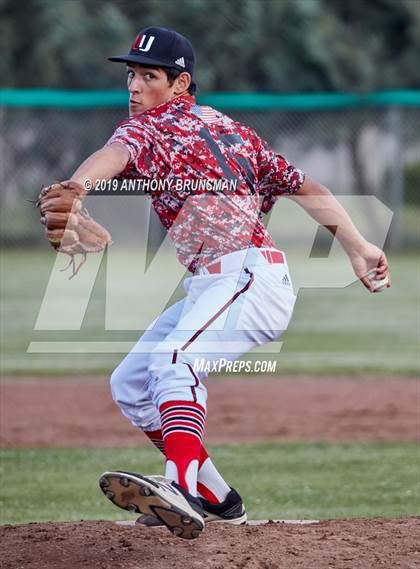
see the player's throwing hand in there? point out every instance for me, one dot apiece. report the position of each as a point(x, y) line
point(371, 266)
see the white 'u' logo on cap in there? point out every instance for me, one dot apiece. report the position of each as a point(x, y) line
point(148, 45)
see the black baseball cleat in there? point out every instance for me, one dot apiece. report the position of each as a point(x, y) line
point(178, 510)
point(230, 511)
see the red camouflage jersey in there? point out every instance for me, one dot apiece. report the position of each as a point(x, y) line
point(220, 176)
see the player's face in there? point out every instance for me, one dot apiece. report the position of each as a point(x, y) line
point(148, 87)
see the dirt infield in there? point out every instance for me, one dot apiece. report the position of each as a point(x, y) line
point(341, 544)
point(47, 413)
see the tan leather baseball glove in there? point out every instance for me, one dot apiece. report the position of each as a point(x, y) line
point(68, 225)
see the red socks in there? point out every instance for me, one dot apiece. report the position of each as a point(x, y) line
point(183, 425)
point(210, 483)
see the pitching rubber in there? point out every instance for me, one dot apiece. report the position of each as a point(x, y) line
point(142, 495)
point(247, 523)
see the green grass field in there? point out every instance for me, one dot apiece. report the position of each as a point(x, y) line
point(293, 481)
point(333, 330)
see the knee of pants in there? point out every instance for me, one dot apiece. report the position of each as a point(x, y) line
point(130, 393)
point(129, 379)
point(174, 379)
point(116, 380)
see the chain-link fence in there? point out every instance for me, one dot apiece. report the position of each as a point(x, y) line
point(354, 149)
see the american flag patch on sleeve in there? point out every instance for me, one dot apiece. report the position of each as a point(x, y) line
point(206, 114)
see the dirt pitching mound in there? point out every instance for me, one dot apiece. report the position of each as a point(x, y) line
point(350, 544)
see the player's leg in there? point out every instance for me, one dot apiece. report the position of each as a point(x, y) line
point(228, 317)
point(129, 386)
point(210, 484)
point(182, 414)
point(182, 514)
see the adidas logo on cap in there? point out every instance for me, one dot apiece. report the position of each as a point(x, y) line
point(180, 62)
point(285, 280)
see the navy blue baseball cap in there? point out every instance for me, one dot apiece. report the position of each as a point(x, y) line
point(160, 47)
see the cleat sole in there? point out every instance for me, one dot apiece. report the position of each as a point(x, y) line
point(141, 495)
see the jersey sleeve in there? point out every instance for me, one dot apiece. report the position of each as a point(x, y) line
point(276, 175)
point(130, 134)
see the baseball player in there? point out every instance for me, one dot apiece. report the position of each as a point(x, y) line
point(220, 176)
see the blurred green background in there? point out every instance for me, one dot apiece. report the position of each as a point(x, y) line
point(241, 45)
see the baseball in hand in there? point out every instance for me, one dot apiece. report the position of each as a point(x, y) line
point(378, 284)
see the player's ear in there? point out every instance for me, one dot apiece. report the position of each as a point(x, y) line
point(182, 82)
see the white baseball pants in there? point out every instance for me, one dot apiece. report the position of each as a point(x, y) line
point(243, 300)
